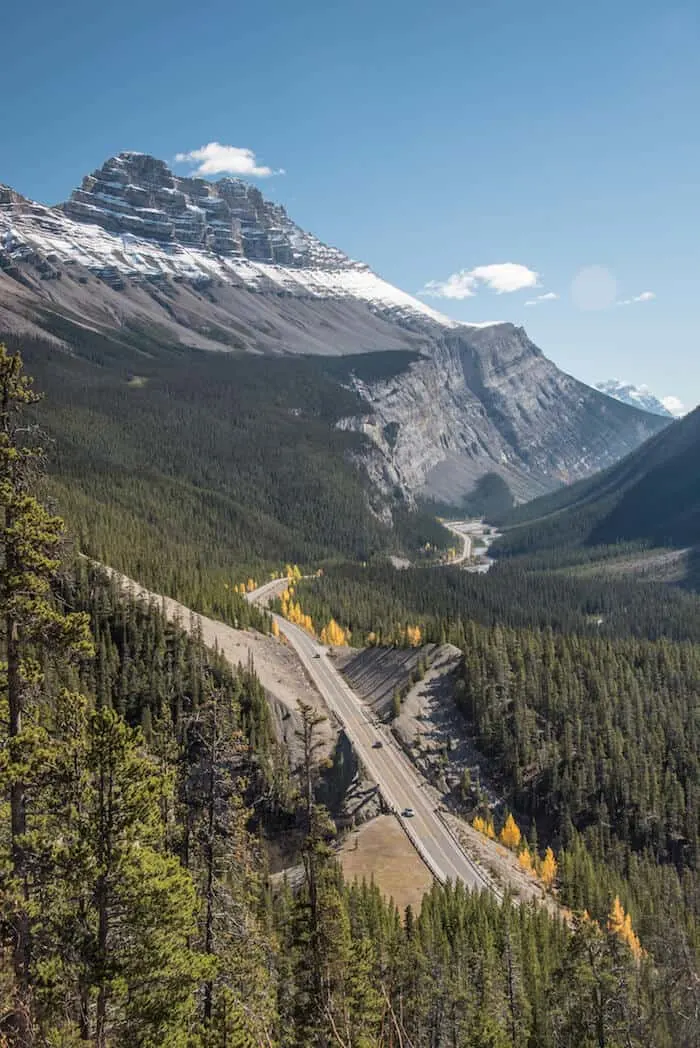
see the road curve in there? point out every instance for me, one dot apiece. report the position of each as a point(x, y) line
point(399, 782)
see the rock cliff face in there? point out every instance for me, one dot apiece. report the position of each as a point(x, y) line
point(489, 401)
point(140, 251)
point(134, 194)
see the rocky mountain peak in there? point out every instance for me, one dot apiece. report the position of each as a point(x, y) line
point(135, 194)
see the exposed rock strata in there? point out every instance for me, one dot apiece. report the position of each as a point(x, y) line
point(138, 251)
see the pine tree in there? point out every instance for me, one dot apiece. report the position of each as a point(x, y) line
point(34, 628)
point(138, 907)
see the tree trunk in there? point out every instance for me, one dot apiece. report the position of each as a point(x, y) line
point(20, 1021)
point(209, 926)
point(101, 1018)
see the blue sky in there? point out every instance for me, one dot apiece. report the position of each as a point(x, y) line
point(432, 141)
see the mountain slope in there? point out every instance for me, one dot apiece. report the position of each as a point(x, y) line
point(652, 495)
point(142, 257)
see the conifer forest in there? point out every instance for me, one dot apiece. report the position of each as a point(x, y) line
point(142, 779)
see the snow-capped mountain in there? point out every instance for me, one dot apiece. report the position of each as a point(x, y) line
point(642, 397)
point(133, 218)
point(139, 255)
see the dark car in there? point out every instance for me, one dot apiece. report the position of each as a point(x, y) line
point(377, 744)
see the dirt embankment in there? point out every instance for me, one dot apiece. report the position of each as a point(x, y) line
point(380, 850)
point(430, 727)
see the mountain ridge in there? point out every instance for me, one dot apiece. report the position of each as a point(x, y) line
point(223, 269)
point(651, 496)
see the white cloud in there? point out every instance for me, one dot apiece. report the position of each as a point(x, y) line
point(674, 405)
point(549, 296)
point(215, 159)
point(646, 296)
point(499, 277)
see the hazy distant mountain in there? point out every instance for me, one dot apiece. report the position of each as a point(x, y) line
point(642, 397)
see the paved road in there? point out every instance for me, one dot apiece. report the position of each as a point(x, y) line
point(399, 782)
point(457, 528)
point(468, 530)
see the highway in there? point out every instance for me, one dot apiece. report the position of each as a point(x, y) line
point(457, 527)
point(400, 784)
point(468, 531)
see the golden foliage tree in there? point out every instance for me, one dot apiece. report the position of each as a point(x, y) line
point(334, 634)
point(548, 869)
point(484, 826)
point(510, 834)
point(620, 924)
point(525, 860)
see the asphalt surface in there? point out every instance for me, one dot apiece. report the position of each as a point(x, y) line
point(400, 784)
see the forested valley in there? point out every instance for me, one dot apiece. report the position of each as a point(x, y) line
point(140, 778)
point(174, 465)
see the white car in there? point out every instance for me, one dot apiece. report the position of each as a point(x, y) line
point(408, 813)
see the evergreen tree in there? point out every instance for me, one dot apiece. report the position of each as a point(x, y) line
point(34, 630)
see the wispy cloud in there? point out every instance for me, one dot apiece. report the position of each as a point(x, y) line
point(549, 296)
point(674, 405)
point(501, 277)
point(215, 159)
point(646, 296)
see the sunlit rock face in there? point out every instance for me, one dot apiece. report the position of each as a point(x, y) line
point(141, 251)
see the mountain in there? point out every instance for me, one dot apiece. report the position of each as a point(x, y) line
point(652, 496)
point(145, 259)
point(641, 397)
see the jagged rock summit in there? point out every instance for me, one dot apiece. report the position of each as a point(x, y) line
point(141, 255)
point(137, 195)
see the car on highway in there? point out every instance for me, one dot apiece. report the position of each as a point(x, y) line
point(377, 744)
point(408, 813)
point(317, 656)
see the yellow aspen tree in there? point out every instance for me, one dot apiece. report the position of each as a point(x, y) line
point(490, 832)
point(275, 630)
point(548, 868)
point(510, 834)
point(525, 860)
point(413, 636)
point(620, 924)
point(479, 824)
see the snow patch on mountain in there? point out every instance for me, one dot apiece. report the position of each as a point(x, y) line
point(63, 240)
point(642, 397)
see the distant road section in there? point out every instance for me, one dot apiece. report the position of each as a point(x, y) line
point(401, 786)
point(468, 531)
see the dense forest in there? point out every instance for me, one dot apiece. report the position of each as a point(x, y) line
point(584, 696)
point(138, 771)
point(172, 464)
point(375, 598)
